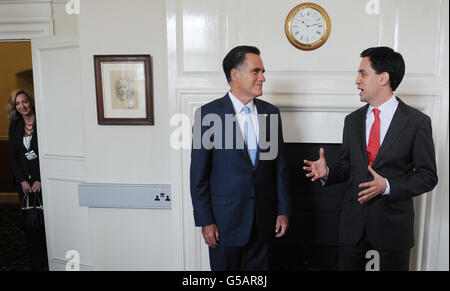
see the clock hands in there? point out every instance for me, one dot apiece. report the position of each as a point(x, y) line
point(308, 25)
point(304, 23)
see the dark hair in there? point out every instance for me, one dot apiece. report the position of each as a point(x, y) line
point(385, 59)
point(236, 57)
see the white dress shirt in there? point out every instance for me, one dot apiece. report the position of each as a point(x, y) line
point(27, 141)
point(387, 111)
point(240, 115)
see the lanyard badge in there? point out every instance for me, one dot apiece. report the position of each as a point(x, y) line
point(31, 155)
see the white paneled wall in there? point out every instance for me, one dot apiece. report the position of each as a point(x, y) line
point(314, 90)
point(59, 111)
point(188, 40)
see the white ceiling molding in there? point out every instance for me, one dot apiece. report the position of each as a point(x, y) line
point(19, 29)
point(25, 1)
point(25, 19)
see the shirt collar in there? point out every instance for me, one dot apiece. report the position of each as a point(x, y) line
point(237, 104)
point(387, 107)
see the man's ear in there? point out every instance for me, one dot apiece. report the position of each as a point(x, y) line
point(234, 74)
point(384, 79)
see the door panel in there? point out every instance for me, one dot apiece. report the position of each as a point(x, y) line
point(59, 114)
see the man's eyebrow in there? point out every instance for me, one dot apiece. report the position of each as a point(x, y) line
point(258, 70)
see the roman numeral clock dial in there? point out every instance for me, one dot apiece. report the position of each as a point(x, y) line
point(307, 26)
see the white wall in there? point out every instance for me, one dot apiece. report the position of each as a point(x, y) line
point(64, 23)
point(187, 40)
point(315, 90)
point(129, 239)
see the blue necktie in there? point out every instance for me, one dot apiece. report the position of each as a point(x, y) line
point(250, 135)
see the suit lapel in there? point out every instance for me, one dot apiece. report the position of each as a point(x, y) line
point(361, 132)
point(33, 143)
point(399, 120)
point(21, 133)
point(262, 118)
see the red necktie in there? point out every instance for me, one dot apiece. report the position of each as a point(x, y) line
point(374, 138)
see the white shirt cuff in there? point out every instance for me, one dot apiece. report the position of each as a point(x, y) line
point(388, 188)
point(324, 179)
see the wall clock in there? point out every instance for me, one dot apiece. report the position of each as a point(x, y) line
point(307, 26)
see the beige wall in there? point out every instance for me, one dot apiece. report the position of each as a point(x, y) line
point(15, 72)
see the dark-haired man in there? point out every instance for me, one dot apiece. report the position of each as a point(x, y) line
point(239, 195)
point(388, 154)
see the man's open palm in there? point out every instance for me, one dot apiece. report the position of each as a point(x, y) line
point(316, 169)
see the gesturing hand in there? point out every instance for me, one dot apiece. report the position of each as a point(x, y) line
point(376, 187)
point(211, 235)
point(316, 169)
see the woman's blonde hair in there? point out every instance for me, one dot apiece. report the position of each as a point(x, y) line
point(11, 107)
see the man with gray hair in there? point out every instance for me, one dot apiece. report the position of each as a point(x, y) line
point(240, 197)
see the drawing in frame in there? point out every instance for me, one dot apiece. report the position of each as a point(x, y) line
point(124, 89)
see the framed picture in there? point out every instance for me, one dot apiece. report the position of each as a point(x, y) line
point(124, 89)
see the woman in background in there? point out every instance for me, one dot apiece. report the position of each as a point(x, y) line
point(24, 155)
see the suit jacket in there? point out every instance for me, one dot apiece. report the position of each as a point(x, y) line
point(406, 158)
point(226, 189)
point(23, 169)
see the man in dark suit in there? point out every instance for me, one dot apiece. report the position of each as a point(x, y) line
point(388, 154)
point(239, 187)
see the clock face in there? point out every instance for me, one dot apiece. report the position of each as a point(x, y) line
point(307, 26)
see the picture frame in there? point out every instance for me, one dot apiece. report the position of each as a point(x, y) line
point(124, 89)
